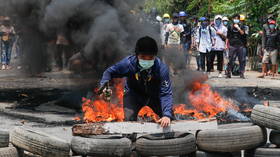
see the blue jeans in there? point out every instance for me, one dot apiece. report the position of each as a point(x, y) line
point(6, 52)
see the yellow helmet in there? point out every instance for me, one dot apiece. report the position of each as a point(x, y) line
point(242, 17)
point(166, 16)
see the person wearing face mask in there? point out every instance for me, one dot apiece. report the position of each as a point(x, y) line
point(270, 43)
point(173, 32)
point(147, 82)
point(163, 26)
point(186, 35)
point(236, 38)
point(220, 44)
point(205, 39)
point(225, 21)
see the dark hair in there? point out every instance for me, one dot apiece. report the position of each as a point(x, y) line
point(236, 15)
point(146, 45)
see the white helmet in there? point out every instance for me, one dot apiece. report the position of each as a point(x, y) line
point(225, 18)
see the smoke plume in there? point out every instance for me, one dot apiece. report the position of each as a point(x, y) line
point(102, 30)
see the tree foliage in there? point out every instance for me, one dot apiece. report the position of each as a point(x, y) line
point(255, 10)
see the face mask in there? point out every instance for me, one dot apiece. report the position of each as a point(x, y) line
point(236, 21)
point(146, 64)
point(204, 24)
point(218, 22)
point(166, 20)
point(272, 26)
point(225, 23)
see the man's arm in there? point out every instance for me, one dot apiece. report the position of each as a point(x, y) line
point(166, 96)
point(118, 70)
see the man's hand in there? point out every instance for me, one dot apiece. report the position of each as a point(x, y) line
point(236, 26)
point(164, 122)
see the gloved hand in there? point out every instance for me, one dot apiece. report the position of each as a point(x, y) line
point(105, 92)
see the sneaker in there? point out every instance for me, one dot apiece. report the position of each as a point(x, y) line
point(220, 75)
point(242, 76)
point(3, 67)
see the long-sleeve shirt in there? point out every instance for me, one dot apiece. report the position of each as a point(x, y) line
point(220, 44)
point(204, 38)
point(159, 86)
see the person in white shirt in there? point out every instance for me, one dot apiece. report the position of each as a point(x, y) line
point(163, 26)
point(220, 44)
point(173, 32)
point(205, 40)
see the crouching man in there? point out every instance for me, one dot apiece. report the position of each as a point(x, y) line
point(147, 82)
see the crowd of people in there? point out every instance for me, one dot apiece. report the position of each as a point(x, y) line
point(227, 39)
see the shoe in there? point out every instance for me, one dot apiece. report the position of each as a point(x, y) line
point(228, 75)
point(220, 75)
point(242, 76)
point(3, 67)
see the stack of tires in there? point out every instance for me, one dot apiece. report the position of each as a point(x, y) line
point(5, 149)
point(268, 117)
point(35, 142)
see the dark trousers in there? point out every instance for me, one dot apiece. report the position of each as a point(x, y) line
point(240, 53)
point(205, 57)
point(133, 103)
point(63, 52)
point(220, 59)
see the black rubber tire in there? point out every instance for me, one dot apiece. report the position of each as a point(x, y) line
point(39, 143)
point(181, 145)
point(267, 152)
point(268, 117)
point(4, 138)
point(274, 137)
point(9, 152)
point(234, 125)
point(231, 140)
point(212, 154)
point(101, 146)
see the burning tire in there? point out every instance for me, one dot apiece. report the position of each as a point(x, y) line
point(268, 117)
point(4, 138)
point(267, 152)
point(169, 144)
point(211, 154)
point(232, 139)
point(39, 143)
point(9, 152)
point(101, 146)
point(274, 137)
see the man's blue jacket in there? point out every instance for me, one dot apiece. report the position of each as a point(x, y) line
point(158, 86)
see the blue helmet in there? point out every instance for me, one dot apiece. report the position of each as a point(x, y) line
point(202, 19)
point(182, 13)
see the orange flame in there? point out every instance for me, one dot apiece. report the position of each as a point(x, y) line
point(205, 103)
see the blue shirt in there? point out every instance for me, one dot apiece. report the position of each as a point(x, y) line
point(158, 87)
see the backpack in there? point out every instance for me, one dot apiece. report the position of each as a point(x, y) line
point(210, 32)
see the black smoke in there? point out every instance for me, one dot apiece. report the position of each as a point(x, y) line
point(104, 31)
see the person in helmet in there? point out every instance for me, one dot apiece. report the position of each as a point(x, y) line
point(220, 44)
point(173, 32)
point(186, 35)
point(163, 26)
point(147, 82)
point(271, 43)
point(205, 38)
point(236, 38)
point(225, 21)
point(242, 21)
